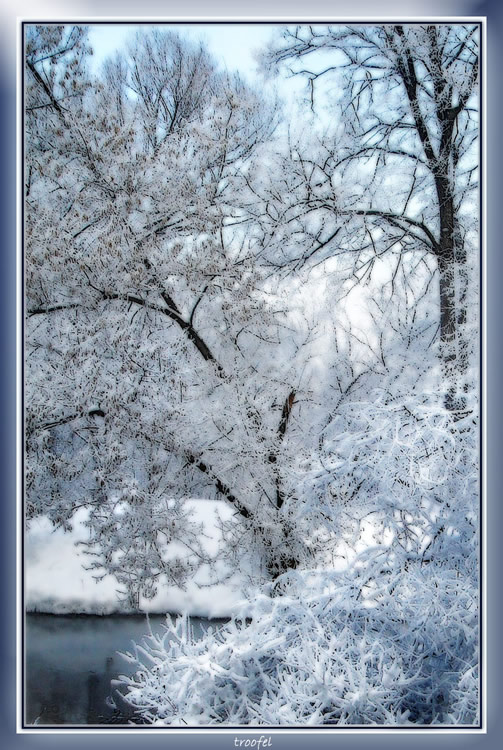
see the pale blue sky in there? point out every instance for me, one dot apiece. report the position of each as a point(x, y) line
point(231, 44)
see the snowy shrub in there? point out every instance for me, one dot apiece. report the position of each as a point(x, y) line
point(334, 648)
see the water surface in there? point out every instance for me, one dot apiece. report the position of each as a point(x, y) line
point(71, 659)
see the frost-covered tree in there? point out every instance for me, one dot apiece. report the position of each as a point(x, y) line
point(158, 356)
point(397, 172)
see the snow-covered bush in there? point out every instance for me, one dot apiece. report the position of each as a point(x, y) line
point(332, 649)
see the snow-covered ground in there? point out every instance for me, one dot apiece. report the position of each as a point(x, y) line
point(57, 582)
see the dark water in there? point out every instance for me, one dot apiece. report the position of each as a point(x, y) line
point(70, 661)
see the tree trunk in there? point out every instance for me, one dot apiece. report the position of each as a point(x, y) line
point(450, 343)
point(462, 282)
point(282, 557)
point(448, 332)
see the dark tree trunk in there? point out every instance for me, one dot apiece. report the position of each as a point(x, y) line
point(448, 334)
point(452, 352)
point(442, 160)
point(279, 556)
point(461, 261)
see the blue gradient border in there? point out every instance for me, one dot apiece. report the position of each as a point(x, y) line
point(9, 31)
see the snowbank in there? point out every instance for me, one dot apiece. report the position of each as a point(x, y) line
point(57, 582)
